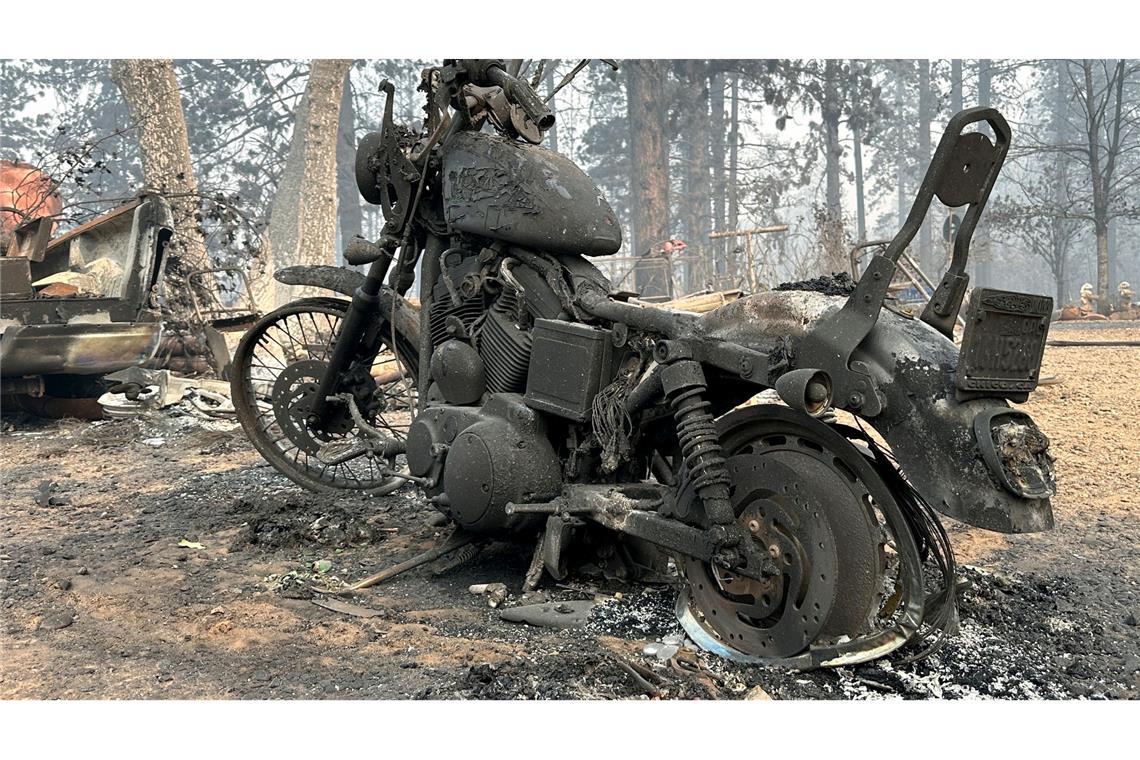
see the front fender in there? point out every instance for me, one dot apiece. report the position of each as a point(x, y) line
point(336, 279)
point(346, 281)
point(979, 461)
point(393, 308)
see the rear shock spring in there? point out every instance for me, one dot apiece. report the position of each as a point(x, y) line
point(685, 387)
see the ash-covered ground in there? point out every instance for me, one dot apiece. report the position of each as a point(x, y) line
point(161, 558)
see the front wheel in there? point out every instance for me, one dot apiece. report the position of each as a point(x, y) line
point(276, 371)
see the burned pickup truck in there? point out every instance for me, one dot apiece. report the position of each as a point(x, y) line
point(81, 305)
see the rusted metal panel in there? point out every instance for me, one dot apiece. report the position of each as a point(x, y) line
point(80, 349)
point(30, 240)
point(26, 193)
point(60, 330)
point(91, 224)
point(15, 277)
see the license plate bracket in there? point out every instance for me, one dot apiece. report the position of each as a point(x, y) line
point(1003, 343)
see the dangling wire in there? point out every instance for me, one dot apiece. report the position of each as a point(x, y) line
point(611, 422)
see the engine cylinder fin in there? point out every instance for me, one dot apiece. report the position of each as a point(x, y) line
point(468, 312)
point(504, 346)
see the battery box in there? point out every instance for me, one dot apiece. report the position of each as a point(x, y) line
point(569, 363)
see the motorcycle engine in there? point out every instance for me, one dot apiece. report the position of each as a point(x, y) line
point(494, 314)
point(482, 458)
point(477, 441)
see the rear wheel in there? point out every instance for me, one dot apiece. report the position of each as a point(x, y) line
point(806, 495)
point(276, 371)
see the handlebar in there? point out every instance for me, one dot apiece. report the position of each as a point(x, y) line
point(522, 94)
point(491, 72)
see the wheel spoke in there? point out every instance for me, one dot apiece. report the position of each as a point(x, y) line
point(280, 362)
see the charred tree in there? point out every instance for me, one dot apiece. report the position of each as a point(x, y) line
point(925, 115)
point(833, 151)
point(733, 154)
point(1102, 108)
point(696, 204)
point(716, 137)
point(1060, 248)
point(981, 247)
point(860, 195)
point(901, 73)
point(1044, 218)
point(303, 219)
point(831, 108)
point(855, 122)
point(733, 221)
point(150, 90)
point(649, 159)
point(350, 216)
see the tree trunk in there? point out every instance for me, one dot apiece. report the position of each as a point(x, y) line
point(1061, 180)
point(1094, 113)
point(303, 220)
point(697, 172)
point(860, 203)
point(716, 134)
point(350, 215)
point(1104, 302)
point(649, 159)
point(1113, 253)
point(932, 266)
point(900, 153)
point(734, 261)
point(833, 152)
point(150, 89)
point(1058, 265)
point(981, 246)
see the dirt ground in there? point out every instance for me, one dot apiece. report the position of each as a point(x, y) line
point(100, 600)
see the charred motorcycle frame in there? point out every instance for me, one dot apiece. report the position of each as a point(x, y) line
point(545, 403)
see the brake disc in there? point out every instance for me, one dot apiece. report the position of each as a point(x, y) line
point(293, 394)
point(796, 496)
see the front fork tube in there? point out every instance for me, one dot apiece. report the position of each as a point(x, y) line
point(429, 273)
point(361, 314)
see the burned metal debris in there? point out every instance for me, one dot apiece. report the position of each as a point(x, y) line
point(838, 284)
point(568, 614)
point(82, 305)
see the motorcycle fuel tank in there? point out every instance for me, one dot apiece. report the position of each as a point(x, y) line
point(526, 195)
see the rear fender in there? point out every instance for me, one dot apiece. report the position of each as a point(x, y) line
point(979, 461)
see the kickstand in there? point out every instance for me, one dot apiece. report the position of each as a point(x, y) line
point(462, 556)
point(534, 572)
point(457, 540)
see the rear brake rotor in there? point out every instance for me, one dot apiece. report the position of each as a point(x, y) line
point(812, 514)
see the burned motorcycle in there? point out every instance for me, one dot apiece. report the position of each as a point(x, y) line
point(528, 398)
